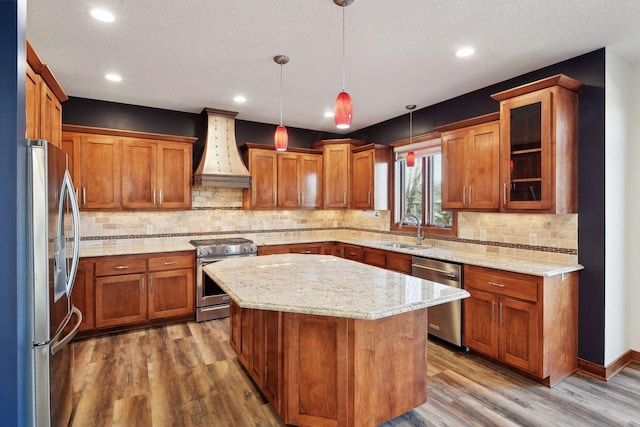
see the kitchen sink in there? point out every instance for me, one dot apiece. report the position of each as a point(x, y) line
point(406, 246)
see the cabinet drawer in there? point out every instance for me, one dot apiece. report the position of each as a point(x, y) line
point(171, 261)
point(113, 266)
point(375, 257)
point(516, 285)
point(305, 249)
point(354, 253)
point(399, 262)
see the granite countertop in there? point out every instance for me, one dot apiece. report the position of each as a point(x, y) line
point(99, 251)
point(325, 285)
point(482, 259)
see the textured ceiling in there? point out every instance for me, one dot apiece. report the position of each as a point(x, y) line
point(190, 54)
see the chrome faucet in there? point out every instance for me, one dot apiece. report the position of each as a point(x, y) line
point(419, 236)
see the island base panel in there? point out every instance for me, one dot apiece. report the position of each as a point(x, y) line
point(337, 371)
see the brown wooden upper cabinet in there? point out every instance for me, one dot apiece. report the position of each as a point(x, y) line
point(470, 164)
point(291, 180)
point(125, 170)
point(539, 147)
point(44, 98)
point(370, 168)
point(337, 167)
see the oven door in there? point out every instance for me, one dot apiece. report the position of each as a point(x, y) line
point(211, 301)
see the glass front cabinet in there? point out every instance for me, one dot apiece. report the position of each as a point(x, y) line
point(539, 146)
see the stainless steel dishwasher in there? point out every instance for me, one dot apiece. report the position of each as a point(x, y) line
point(445, 320)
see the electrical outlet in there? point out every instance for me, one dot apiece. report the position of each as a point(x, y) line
point(533, 239)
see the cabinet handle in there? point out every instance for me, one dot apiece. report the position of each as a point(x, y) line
point(464, 196)
point(493, 307)
point(369, 198)
point(344, 198)
point(499, 285)
point(161, 198)
point(470, 202)
point(352, 253)
point(305, 252)
point(150, 285)
point(154, 197)
point(274, 199)
point(500, 313)
point(504, 194)
point(170, 262)
point(121, 267)
point(142, 287)
point(302, 198)
point(84, 196)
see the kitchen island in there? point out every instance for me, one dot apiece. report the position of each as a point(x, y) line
point(330, 342)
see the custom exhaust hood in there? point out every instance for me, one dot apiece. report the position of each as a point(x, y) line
point(221, 165)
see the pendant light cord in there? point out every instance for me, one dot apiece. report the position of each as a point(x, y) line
point(410, 126)
point(280, 94)
point(343, 47)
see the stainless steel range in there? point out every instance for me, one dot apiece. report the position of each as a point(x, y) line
point(211, 301)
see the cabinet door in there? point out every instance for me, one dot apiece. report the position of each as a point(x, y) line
point(480, 322)
point(32, 101)
point(353, 252)
point(50, 116)
point(288, 180)
point(83, 296)
point(525, 140)
point(483, 160)
point(336, 175)
point(316, 374)
point(235, 317)
point(171, 293)
point(139, 168)
point(174, 175)
point(273, 358)
point(310, 180)
point(362, 180)
point(454, 170)
point(375, 257)
point(120, 300)
point(518, 334)
point(100, 172)
point(263, 165)
point(70, 144)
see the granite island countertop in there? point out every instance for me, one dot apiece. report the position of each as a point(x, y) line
point(325, 285)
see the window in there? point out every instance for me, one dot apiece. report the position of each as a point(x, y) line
point(418, 189)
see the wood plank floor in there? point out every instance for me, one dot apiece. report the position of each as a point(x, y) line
point(186, 374)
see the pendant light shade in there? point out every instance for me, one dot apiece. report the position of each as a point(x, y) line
point(343, 111)
point(281, 137)
point(411, 156)
point(411, 159)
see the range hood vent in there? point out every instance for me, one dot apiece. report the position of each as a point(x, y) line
point(221, 165)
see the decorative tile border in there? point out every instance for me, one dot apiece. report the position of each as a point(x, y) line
point(565, 251)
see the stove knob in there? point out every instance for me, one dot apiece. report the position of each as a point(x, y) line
point(228, 250)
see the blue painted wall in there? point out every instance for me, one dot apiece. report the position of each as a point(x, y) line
point(14, 378)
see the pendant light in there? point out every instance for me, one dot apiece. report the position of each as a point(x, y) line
point(281, 137)
point(411, 156)
point(344, 108)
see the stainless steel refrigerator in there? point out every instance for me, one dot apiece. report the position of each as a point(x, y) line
point(53, 246)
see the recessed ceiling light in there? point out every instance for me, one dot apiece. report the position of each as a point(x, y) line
point(329, 113)
point(112, 77)
point(465, 51)
point(240, 99)
point(102, 15)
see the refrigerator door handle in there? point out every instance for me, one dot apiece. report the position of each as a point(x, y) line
point(67, 185)
point(57, 343)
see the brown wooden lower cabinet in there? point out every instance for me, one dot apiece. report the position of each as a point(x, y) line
point(329, 371)
point(126, 290)
point(527, 322)
point(324, 248)
point(83, 294)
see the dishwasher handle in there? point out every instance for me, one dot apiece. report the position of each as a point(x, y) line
point(449, 274)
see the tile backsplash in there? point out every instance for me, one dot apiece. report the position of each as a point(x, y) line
point(219, 211)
